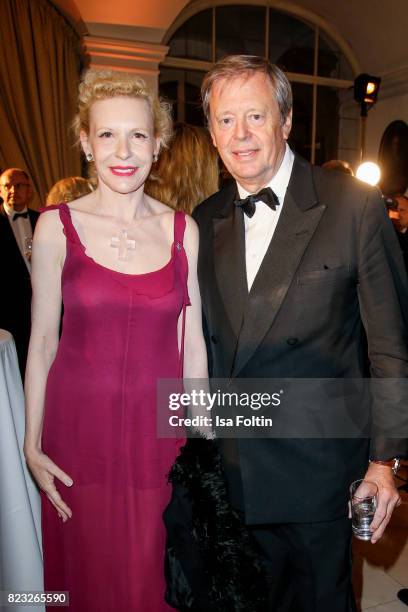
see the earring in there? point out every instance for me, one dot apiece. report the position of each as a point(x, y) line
point(155, 157)
point(89, 157)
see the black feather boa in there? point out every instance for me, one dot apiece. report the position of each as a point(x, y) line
point(233, 573)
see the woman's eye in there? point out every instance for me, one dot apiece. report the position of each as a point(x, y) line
point(105, 134)
point(140, 135)
point(226, 121)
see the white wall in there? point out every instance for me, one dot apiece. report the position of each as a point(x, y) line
point(349, 130)
point(379, 117)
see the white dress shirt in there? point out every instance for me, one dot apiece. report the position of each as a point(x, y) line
point(260, 228)
point(22, 231)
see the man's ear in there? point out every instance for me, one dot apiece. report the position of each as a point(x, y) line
point(212, 136)
point(287, 125)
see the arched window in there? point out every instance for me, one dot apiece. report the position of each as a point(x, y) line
point(321, 69)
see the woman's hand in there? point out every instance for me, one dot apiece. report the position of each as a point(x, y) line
point(44, 471)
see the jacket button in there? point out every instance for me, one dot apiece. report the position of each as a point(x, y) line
point(214, 339)
point(292, 341)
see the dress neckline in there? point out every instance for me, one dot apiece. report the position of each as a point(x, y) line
point(111, 270)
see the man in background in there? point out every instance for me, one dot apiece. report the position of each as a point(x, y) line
point(17, 224)
point(398, 213)
point(338, 165)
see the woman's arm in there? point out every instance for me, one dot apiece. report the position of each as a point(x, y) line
point(47, 260)
point(195, 375)
point(195, 354)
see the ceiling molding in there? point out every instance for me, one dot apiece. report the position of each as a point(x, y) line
point(138, 57)
point(394, 83)
point(125, 32)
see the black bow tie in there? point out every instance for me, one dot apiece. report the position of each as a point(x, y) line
point(265, 195)
point(17, 215)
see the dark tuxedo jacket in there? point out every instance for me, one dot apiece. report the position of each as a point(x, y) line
point(403, 242)
point(332, 268)
point(15, 302)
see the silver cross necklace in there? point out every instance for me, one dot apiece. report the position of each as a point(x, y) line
point(124, 244)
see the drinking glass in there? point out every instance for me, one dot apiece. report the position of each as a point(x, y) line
point(363, 499)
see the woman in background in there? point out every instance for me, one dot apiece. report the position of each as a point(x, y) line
point(187, 172)
point(127, 267)
point(68, 189)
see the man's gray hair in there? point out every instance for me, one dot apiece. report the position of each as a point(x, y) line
point(234, 66)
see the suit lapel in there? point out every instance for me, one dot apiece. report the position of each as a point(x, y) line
point(297, 223)
point(229, 258)
point(3, 212)
point(9, 240)
point(33, 216)
point(7, 227)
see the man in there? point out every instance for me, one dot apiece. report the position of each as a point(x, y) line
point(338, 165)
point(398, 214)
point(287, 279)
point(17, 223)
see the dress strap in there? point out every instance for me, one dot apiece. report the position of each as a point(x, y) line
point(182, 264)
point(179, 227)
point(66, 220)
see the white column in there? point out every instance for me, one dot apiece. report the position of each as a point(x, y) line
point(137, 57)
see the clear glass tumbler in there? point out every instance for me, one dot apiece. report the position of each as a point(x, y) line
point(363, 500)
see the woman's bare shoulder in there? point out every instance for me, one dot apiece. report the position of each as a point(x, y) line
point(191, 239)
point(49, 222)
point(158, 208)
point(84, 204)
point(49, 238)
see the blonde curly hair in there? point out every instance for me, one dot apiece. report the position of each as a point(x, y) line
point(103, 84)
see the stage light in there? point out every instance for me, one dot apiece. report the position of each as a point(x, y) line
point(368, 172)
point(366, 88)
point(371, 87)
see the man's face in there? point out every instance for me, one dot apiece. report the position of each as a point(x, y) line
point(246, 128)
point(15, 189)
point(399, 216)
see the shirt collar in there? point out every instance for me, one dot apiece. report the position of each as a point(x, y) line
point(279, 182)
point(10, 212)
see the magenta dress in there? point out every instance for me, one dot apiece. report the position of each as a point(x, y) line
point(119, 336)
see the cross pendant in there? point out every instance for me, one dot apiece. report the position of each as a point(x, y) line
point(123, 244)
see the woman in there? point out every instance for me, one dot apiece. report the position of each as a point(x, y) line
point(68, 189)
point(187, 172)
point(128, 277)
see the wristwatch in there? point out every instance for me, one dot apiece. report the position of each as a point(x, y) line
point(392, 463)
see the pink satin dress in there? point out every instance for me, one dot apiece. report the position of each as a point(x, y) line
point(119, 336)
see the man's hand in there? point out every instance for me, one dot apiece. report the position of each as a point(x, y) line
point(388, 498)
